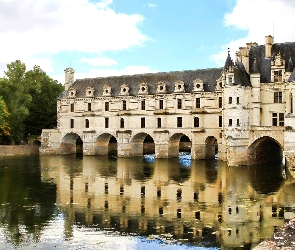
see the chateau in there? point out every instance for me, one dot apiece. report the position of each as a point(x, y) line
point(245, 110)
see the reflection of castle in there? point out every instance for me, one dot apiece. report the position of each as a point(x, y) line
point(164, 197)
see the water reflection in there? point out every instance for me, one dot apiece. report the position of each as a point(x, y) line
point(165, 201)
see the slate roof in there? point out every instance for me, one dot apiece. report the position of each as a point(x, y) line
point(257, 64)
point(286, 50)
point(209, 77)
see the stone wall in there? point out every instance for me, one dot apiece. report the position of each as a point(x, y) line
point(6, 150)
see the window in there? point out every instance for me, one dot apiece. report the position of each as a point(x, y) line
point(72, 123)
point(220, 102)
point(178, 212)
point(121, 123)
point(281, 119)
point(238, 100)
point(143, 105)
point(277, 76)
point(179, 122)
point(238, 122)
point(274, 119)
point(142, 122)
point(220, 121)
point(124, 105)
point(106, 106)
point(106, 122)
point(198, 102)
point(230, 100)
point(86, 123)
point(159, 121)
point(230, 80)
point(291, 103)
point(72, 107)
point(161, 104)
point(89, 106)
point(179, 103)
point(230, 122)
point(196, 122)
point(278, 97)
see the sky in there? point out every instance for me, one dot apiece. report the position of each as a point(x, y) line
point(101, 38)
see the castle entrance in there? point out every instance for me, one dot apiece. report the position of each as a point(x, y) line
point(265, 150)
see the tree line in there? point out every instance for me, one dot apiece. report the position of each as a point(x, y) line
point(27, 102)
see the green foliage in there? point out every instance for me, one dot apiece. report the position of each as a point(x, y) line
point(24, 93)
point(42, 109)
point(4, 128)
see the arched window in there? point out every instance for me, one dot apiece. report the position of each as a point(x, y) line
point(196, 122)
point(86, 123)
point(121, 123)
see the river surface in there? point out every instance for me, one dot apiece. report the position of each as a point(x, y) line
point(101, 202)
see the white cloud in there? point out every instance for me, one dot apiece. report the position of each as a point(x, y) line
point(259, 18)
point(33, 30)
point(152, 5)
point(99, 61)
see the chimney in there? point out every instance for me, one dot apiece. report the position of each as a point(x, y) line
point(268, 46)
point(69, 77)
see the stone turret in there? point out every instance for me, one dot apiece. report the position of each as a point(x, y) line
point(228, 71)
point(69, 77)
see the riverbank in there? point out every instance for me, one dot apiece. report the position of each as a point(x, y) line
point(11, 150)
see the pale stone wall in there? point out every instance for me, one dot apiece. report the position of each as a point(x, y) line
point(12, 150)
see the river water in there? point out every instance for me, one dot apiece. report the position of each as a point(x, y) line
point(101, 202)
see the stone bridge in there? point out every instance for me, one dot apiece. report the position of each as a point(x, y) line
point(263, 144)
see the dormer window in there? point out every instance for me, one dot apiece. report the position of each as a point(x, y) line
point(277, 76)
point(72, 92)
point(89, 92)
point(106, 90)
point(179, 86)
point(143, 88)
point(277, 69)
point(161, 87)
point(124, 89)
point(198, 85)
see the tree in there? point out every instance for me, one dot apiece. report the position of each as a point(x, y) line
point(14, 91)
point(30, 97)
point(4, 128)
point(42, 109)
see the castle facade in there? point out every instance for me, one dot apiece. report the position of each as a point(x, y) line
point(245, 109)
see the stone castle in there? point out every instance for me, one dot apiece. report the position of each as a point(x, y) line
point(245, 110)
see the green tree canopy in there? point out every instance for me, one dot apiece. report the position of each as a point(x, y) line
point(30, 97)
point(4, 128)
point(42, 109)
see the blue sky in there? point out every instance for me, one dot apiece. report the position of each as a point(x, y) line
point(116, 37)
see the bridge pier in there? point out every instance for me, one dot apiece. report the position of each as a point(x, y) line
point(124, 146)
point(161, 139)
point(89, 143)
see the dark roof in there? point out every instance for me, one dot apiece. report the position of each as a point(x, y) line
point(209, 77)
point(241, 76)
point(228, 62)
point(286, 50)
